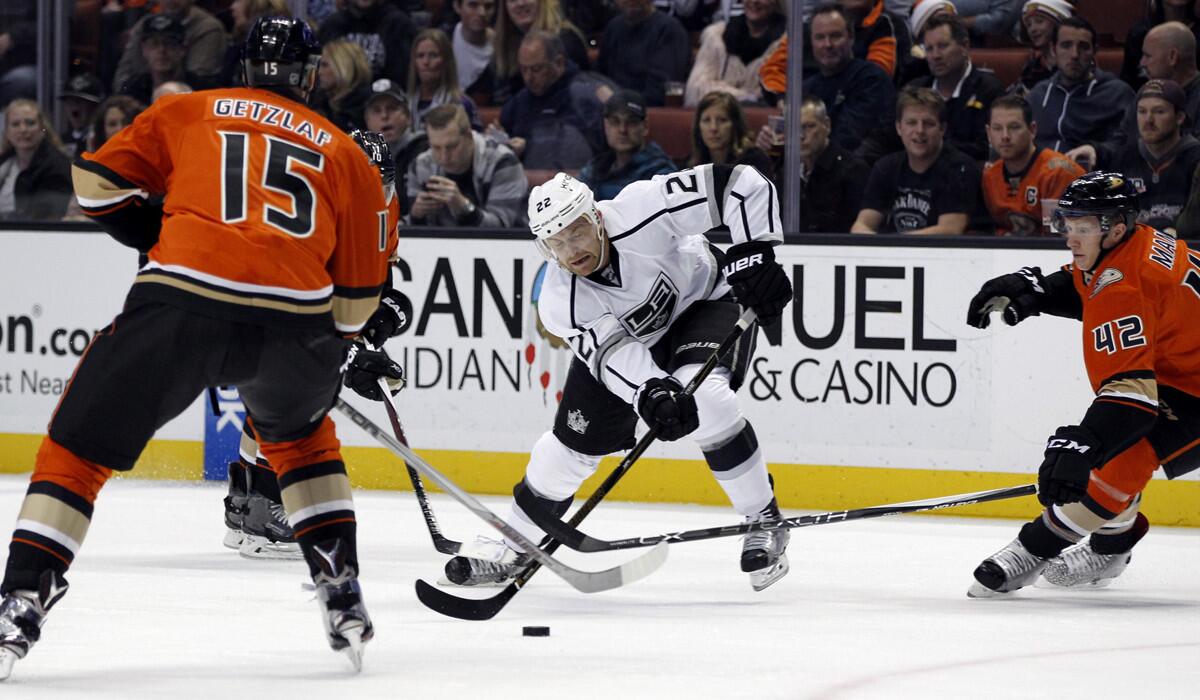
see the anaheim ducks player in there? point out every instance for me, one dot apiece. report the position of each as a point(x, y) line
point(640, 296)
point(1137, 291)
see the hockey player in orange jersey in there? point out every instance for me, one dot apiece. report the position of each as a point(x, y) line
point(263, 226)
point(1137, 291)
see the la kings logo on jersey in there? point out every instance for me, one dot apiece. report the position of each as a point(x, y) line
point(653, 314)
point(576, 421)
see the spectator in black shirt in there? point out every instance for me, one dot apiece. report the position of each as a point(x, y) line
point(968, 90)
point(642, 49)
point(832, 179)
point(80, 98)
point(929, 188)
point(383, 30)
point(35, 175)
point(516, 18)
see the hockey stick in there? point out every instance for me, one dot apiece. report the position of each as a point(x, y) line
point(585, 581)
point(585, 543)
point(487, 608)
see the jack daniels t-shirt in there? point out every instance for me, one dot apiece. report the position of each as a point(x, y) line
point(911, 201)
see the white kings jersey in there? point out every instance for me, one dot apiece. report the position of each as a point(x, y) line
point(660, 264)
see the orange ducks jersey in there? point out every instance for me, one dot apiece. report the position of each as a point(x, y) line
point(271, 214)
point(1140, 311)
point(1015, 202)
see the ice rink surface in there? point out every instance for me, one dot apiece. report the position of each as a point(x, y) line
point(871, 609)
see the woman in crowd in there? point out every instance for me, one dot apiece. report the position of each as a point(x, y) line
point(114, 114)
point(720, 135)
point(35, 174)
point(433, 79)
point(343, 84)
point(513, 21)
point(732, 52)
point(244, 14)
point(1038, 20)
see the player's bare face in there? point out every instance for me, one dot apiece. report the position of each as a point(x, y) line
point(1009, 134)
point(1157, 121)
point(22, 128)
point(921, 131)
point(1086, 239)
point(577, 247)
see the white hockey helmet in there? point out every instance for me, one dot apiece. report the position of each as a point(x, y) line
point(557, 204)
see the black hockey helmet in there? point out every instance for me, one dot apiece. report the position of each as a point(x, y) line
point(281, 52)
point(376, 148)
point(1107, 195)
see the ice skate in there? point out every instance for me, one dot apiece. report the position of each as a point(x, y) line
point(1083, 567)
point(267, 534)
point(484, 562)
point(235, 506)
point(1005, 571)
point(22, 614)
point(763, 552)
point(347, 625)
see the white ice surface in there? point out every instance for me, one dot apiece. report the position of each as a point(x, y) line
point(871, 609)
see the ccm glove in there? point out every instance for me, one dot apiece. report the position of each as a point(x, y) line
point(389, 320)
point(1017, 296)
point(1071, 454)
point(363, 368)
point(758, 281)
point(661, 402)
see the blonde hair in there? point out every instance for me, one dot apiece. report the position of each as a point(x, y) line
point(350, 68)
point(448, 80)
point(51, 135)
point(550, 18)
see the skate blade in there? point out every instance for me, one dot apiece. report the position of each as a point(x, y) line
point(254, 547)
point(978, 590)
point(233, 538)
point(7, 659)
point(1045, 583)
point(354, 650)
point(761, 579)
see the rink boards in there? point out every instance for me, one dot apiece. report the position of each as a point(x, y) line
point(877, 391)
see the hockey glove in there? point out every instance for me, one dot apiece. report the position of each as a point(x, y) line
point(1071, 454)
point(1017, 296)
point(758, 281)
point(363, 368)
point(389, 320)
point(661, 402)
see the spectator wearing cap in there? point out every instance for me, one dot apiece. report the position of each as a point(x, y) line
point(1161, 164)
point(464, 179)
point(967, 90)
point(473, 46)
point(163, 50)
point(732, 52)
point(382, 29)
point(1160, 12)
point(35, 174)
point(387, 113)
point(915, 65)
point(1080, 103)
point(555, 121)
point(928, 188)
point(204, 43)
point(80, 97)
point(1038, 20)
point(629, 157)
point(858, 95)
point(643, 49)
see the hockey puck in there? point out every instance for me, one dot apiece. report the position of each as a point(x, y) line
point(535, 631)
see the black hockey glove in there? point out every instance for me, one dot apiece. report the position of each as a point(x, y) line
point(758, 281)
point(1071, 454)
point(1017, 296)
point(389, 320)
point(661, 402)
point(363, 368)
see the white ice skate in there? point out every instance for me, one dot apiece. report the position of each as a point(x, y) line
point(1005, 571)
point(1082, 567)
point(764, 551)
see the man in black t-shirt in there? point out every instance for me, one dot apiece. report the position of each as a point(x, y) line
point(931, 187)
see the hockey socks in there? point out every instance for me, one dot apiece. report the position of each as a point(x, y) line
point(320, 508)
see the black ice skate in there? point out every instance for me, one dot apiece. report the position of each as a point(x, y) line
point(267, 534)
point(347, 624)
point(235, 506)
point(1005, 571)
point(22, 614)
point(763, 551)
point(484, 562)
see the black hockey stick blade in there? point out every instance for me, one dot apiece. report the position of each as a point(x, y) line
point(582, 542)
point(584, 581)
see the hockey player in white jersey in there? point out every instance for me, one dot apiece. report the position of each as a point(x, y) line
point(643, 299)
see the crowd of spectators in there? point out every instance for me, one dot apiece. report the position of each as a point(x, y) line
point(904, 129)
